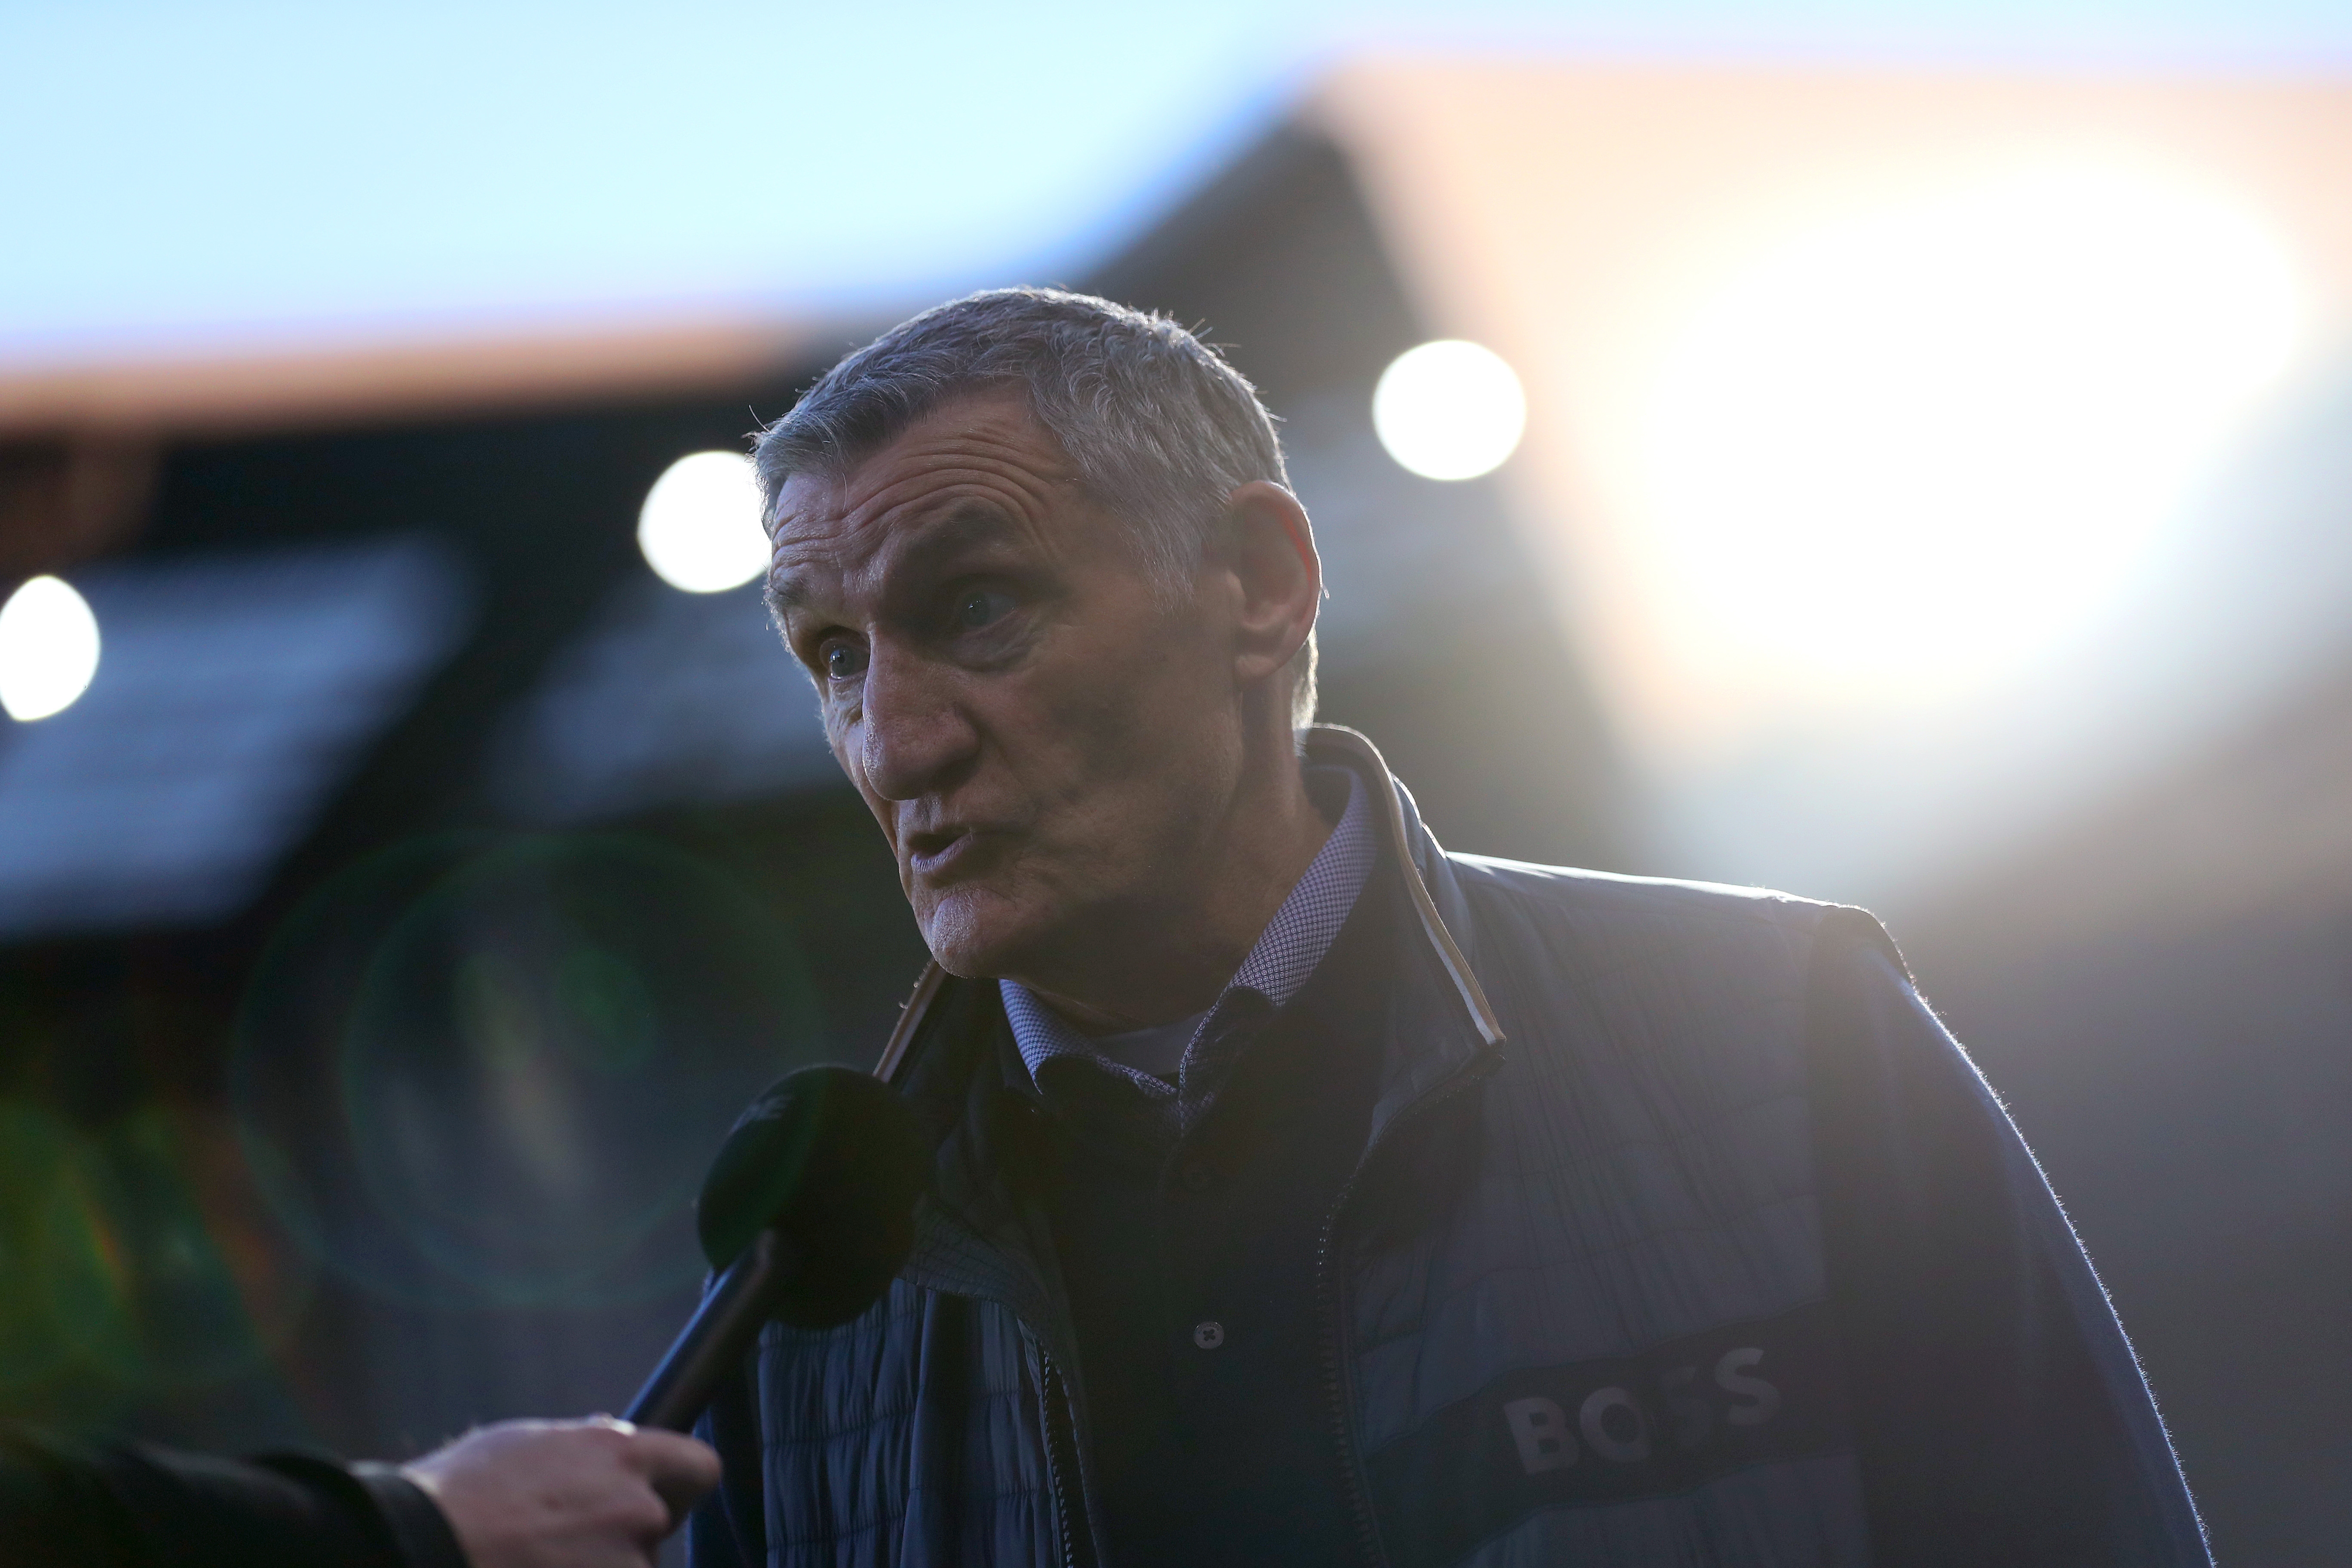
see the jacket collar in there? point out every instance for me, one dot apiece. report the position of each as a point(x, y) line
point(1443, 913)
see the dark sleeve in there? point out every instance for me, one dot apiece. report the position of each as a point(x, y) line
point(728, 1528)
point(2000, 1413)
point(127, 1505)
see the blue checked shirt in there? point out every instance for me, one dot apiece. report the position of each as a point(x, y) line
point(1292, 944)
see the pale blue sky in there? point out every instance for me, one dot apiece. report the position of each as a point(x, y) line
point(177, 172)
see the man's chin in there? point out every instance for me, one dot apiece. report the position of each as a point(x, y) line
point(976, 934)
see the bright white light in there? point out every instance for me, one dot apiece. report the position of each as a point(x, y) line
point(700, 526)
point(1449, 410)
point(1910, 447)
point(48, 649)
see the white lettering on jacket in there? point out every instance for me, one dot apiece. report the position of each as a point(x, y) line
point(1540, 1430)
point(1617, 1426)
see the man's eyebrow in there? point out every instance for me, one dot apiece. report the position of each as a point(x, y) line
point(966, 526)
point(935, 544)
point(784, 594)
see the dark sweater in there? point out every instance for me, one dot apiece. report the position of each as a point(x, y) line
point(1191, 1266)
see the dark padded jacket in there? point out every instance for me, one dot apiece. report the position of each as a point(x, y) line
point(1681, 1233)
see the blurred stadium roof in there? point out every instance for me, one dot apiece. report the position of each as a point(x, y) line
point(236, 692)
point(1576, 217)
point(354, 377)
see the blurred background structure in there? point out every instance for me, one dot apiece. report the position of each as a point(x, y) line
point(1900, 462)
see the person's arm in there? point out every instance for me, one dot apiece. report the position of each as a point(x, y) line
point(522, 1494)
point(102, 1504)
point(1999, 1414)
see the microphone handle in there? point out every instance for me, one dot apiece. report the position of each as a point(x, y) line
point(716, 1339)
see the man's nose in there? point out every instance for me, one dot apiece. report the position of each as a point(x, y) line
point(913, 738)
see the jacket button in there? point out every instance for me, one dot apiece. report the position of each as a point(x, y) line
point(1209, 1334)
point(1197, 1177)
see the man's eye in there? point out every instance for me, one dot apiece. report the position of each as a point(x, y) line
point(844, 660)
point(982, 607)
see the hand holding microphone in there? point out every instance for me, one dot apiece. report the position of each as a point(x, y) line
point(806, 1214)
point(564, 1494)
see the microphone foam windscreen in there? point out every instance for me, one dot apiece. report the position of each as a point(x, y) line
point(830, 1158)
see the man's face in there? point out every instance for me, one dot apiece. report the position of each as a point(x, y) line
point(1046, 744)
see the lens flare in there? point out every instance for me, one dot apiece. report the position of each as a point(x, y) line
point(141, 1259)
point(1911, 448)
point(492, 1070)
point(36, 1152)
point(699, 528)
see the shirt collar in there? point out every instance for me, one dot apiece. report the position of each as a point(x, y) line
point(1285, 954)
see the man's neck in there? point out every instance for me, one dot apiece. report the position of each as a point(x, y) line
point(1175, 959)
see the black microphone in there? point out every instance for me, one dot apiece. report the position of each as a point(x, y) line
point(806, 1214)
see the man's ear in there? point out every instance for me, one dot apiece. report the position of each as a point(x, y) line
point(1269, 548)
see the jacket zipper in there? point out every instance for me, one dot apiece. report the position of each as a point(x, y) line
point(1058, 1431)
point(1334, 1329)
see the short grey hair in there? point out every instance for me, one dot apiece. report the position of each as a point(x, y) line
point(1159, 426)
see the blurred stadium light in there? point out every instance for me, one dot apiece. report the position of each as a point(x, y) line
point(48, 649)
point(1449, 410)
point(700, 528)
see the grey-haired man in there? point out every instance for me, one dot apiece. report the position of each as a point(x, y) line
point(1306, 1194)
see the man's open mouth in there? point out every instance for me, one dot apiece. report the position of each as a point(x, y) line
point(933, 855)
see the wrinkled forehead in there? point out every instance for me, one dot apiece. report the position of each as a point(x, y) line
point(896, 552)
point(974, 473)
point(989, 443)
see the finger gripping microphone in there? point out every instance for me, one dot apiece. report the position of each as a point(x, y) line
point(806, 1214)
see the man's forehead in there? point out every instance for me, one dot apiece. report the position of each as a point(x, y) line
point(976, 471)
point(959, 527)
point(976, 439)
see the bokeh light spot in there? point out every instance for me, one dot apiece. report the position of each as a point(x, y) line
point(48, 649)
point(700, 528)
point(1449, 410)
